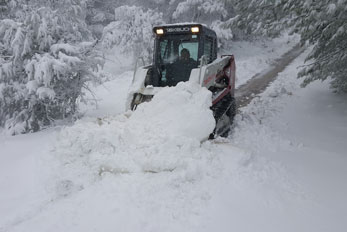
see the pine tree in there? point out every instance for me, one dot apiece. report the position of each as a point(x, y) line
point(320, 23)
point(131, 31)
point(44, 64)
point(324, 24)
point(212, 13)
point(253, 18)
point(203, 11)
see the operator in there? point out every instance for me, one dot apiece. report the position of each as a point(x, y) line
point(187, 62)
point(185, 57)
point(182, 67)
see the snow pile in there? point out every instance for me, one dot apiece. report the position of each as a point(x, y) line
point(183, 110)
point(161, 135)
point(297, 161)
point(257, 117)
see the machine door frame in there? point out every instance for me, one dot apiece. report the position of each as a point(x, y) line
point(156, 76)
point(212, 49)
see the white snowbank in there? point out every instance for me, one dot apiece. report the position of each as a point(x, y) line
point(161, 135)
point(296, 138)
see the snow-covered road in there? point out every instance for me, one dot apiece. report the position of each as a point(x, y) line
point(282, 168)
point(296, 139)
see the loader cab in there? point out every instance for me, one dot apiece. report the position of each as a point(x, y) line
point(171, 62)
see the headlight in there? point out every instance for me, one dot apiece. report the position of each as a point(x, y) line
point(195, 29)
point(159, 31)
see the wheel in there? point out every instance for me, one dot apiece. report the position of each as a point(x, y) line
point(232, 110)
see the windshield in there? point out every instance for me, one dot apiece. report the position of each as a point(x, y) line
point(171, 46)
point(177, 56)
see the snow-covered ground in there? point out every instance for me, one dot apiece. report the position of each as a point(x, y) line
point(294, 178)
point(253, 58)
point(282, 168)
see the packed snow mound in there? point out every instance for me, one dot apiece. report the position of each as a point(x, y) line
point(181, 111)
point(162, 135)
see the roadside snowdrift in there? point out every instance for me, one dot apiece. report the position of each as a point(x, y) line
point(147, 170)
point(161, 135)
point(297, 138)
point(139, 171)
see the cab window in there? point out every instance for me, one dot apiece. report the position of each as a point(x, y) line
point(192, 47)
point(171, 70)
point(208, 47)
point(171, 46)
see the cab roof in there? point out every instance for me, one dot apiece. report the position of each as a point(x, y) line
point(184, 28)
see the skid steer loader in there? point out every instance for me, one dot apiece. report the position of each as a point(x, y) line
point(188, 52)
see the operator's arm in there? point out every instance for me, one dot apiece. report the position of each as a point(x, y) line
point(193, 63)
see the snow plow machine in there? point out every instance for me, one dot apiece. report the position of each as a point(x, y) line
point(188, 52)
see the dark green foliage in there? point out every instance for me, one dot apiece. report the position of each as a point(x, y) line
point(44, 63)
point(322, 24)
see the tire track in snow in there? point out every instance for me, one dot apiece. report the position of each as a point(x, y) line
point(257, 84)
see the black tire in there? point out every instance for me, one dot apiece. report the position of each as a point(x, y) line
point(231, 114)
point(232, 111)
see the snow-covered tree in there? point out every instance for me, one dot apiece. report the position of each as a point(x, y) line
point(44, 63)
point(213, 13)
point(99, 14)
point(132, 31)
point(199, 11)
point(3, 9)
point(257, 18)
point(321, 23)
point(224, 33)
point(324, 24)
point(12, 8)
